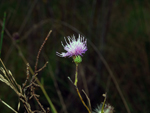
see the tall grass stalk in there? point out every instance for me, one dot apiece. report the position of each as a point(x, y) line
point(2, 32)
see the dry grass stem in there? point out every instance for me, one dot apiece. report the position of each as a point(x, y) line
point(88, 100)
point(26, 92)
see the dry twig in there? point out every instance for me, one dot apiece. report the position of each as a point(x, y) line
point(27, 91)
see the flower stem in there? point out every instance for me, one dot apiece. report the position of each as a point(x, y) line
point(82, 100)
point(76, 75)
point(102, 111)
point(75, 83)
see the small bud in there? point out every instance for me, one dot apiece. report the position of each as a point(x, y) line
point(78, 59)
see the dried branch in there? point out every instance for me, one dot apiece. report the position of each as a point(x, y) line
point(41, 49)
point(26, 92)
point(31, 87)
point(42, 67)
point(27, 77)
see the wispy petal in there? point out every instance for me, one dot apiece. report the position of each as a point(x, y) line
point(74, 47)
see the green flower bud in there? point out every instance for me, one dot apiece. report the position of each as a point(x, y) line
point(78, 59)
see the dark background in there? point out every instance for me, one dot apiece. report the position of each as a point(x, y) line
point(117, 30)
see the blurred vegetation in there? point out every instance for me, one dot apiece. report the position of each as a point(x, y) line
point(118, 30)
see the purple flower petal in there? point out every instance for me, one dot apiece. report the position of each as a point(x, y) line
point(74, 47)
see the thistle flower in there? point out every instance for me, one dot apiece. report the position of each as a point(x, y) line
point(107, 109)
point(74, 47)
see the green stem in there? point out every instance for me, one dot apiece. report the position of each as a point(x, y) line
point(82, 100)
point(76, 75)
point(2, 32)
point(102, 110)
point(75, 83)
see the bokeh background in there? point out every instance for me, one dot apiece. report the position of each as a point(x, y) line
point(117, 60)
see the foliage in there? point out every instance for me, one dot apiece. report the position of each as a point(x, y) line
point(118, 30)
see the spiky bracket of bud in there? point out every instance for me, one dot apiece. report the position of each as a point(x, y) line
point(77, 59)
